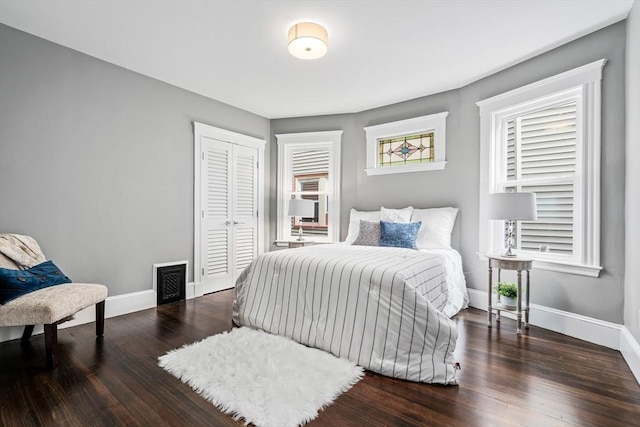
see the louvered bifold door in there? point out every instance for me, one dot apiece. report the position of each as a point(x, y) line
point(541, 157)
point(216, 238)
point(245, 207)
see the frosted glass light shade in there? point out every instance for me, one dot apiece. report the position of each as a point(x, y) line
point(513, 206)
point(308, 40)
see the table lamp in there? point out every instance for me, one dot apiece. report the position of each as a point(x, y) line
point(512, 207)
point(303, 209)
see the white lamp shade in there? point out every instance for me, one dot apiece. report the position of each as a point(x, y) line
point(302, 208)
point(513, 206)
point(308, 40)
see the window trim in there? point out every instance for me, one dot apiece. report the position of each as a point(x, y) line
point(585, 83)
point(434, 122)
point(313, 140)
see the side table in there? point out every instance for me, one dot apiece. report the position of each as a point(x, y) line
point(518, 264)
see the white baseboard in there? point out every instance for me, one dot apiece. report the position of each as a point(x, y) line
point(194, 290)
point(8, 333)
point(596, 331)
point(115, 306)
point(630, 350)
point(575, 325)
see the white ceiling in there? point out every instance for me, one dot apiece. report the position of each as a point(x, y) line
point(380, 52)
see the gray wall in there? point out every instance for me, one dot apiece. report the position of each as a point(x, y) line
point(96, 162)
point(458, 184)
point(632, 254)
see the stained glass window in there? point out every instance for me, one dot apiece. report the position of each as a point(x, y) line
point(405, 150)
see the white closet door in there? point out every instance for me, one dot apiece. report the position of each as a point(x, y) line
point(216, 242)
point(245, 206)
point(230, 212)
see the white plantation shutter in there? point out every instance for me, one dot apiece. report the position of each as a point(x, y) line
point(542, 144)
point(511, 150)
point(310, 162)
point(554, 228)
point(541, 158)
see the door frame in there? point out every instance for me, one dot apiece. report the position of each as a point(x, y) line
point(201, 130)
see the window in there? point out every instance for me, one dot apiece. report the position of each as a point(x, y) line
point(410, 145)
point(406, 150)
point(309, 168)
point(310, 176)
point(541, 158)
point(545, 138)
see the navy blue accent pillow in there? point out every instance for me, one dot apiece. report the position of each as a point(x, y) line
point(15, 283)
point(399, 234)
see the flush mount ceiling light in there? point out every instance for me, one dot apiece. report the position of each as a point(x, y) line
point(307, 40)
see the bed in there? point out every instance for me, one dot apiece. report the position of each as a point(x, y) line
point(387, 309)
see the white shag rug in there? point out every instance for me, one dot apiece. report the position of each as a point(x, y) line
point(266, 379)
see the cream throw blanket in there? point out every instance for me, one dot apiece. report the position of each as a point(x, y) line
point(19, 252)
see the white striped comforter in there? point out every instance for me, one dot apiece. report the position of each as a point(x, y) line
point(379, 307)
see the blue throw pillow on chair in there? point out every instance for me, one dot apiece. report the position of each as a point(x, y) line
point(15, 283)
point(399, 234)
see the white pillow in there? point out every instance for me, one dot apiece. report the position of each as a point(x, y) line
point(437, 225)
point(396, 215)
point(354, 223)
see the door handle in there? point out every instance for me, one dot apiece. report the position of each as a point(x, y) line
point(227, 222)
point(236, 222)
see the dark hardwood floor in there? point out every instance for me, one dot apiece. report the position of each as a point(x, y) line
point(538, 379)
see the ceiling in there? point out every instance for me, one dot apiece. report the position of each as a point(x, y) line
point(380, 52)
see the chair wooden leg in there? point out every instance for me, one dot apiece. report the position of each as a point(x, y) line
point(100, 319)
point(28, 330)
point(51, 344)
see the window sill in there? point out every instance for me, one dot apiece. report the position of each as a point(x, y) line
point(285, 243)
point(385, 170)
point(560, 266)
point(570, 268)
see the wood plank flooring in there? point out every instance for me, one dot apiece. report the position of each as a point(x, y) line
point(538, 379)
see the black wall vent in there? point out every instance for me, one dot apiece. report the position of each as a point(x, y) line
point(170, 281)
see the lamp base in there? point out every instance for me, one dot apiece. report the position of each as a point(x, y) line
point(509, 253)
point(300, 239)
